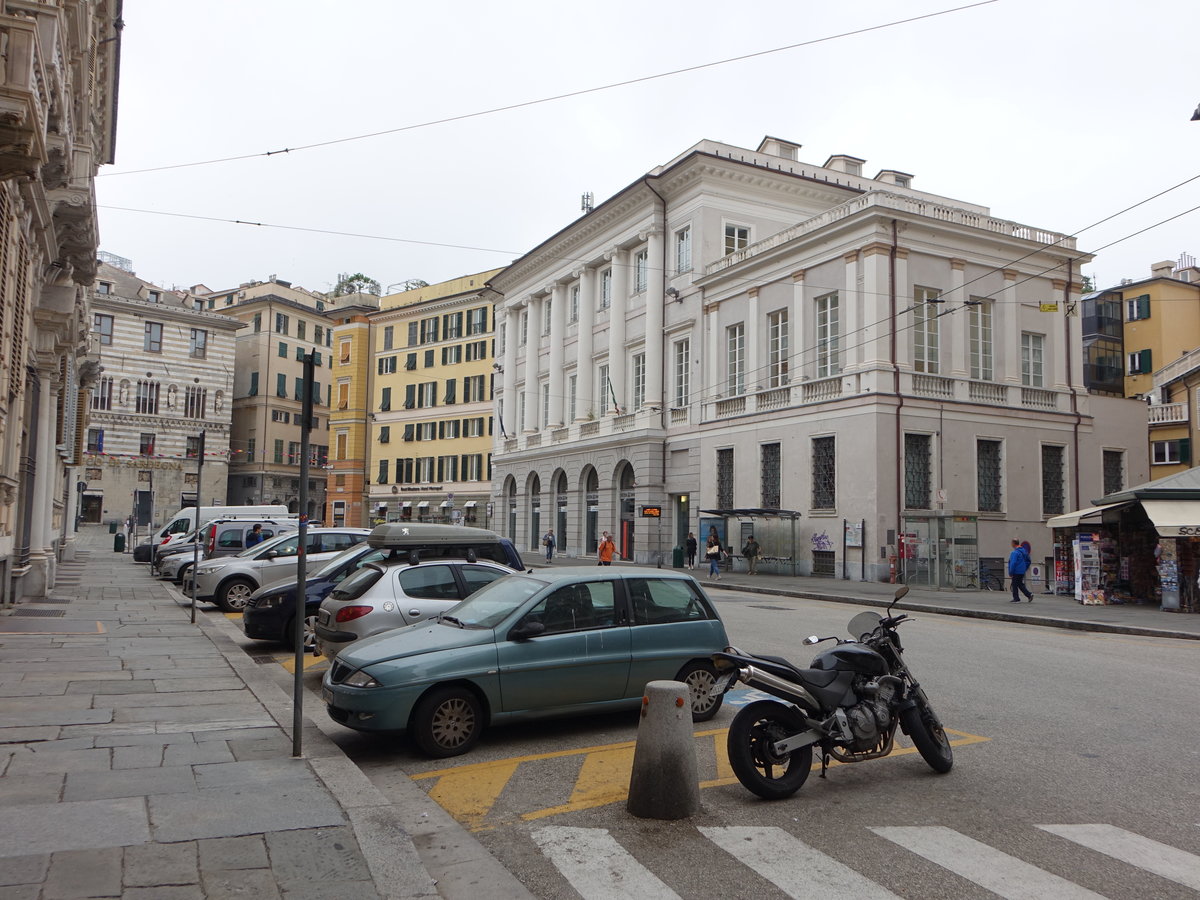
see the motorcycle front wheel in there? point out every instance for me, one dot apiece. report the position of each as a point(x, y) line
point(761, 771)
point(922, 725)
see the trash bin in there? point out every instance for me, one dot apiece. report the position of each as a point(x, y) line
point(112, 527)
point(677, 557)
point(118, 543)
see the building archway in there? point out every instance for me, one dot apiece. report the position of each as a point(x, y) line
point(590, 483)
point(625, 482)
point(561, 506)
point(533, 490)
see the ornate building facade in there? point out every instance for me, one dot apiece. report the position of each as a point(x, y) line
point(58, 103)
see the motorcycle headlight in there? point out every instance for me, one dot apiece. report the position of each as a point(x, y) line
point(361, 679)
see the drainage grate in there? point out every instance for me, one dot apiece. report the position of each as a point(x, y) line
point(40, 613)
point(261, 659)
point(55, 600)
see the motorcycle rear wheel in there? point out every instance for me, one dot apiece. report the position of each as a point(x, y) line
point(756, 766)
point(922, 725)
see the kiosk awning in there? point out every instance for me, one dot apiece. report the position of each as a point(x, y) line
point(470, 504)
point(1174, 518)
point(406, 504)
point(1071, 519)
point(446, 503)
point(424, 504)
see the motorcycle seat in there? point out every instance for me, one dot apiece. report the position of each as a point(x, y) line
point(777, 665)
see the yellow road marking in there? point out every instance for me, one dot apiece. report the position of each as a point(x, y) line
point(470, 795)
point(310, 662)
point(469, 792)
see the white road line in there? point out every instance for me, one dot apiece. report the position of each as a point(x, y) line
point(986, 866)
point(1161, 859)
point(793, 866)
point(597, 866)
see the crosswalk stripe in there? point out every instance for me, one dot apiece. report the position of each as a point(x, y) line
point(793, 866)
point(1161, 859)
point(597, 866)
point(987, 867)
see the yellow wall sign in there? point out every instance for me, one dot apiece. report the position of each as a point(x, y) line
point(1048, 307)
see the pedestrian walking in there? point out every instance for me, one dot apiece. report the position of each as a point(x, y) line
point(691, 550)
point(606, 550)
point(548, 543)
point(751, 551)
point(129, 534)
point(1018, 565)
point(712, 552)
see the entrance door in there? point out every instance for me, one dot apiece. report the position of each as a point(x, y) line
point(93, 506)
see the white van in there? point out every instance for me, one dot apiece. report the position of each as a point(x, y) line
point(185, 521)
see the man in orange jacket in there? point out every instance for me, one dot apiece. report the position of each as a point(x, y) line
point(606, 549)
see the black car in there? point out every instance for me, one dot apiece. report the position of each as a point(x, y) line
point(268, 615)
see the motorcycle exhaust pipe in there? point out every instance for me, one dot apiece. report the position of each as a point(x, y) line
point(780, 687)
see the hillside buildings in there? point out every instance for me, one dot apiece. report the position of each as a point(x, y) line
point(58, 106)
point(165, 376)
point(738, 330)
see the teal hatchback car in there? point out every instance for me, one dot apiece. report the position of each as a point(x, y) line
point(553, 642)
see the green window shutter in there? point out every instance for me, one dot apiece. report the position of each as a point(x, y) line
point(408, 431)
point(1143, 306)
point(410, 396)
point(1144, 364)
point(1185, 450)
point(253, 384)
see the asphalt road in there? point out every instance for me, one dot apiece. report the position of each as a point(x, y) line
point(1075, 774)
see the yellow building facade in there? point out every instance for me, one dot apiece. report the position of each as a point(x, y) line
point(348, 418)
point(430, 382)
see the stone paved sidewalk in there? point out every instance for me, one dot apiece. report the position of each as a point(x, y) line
point(144, 756)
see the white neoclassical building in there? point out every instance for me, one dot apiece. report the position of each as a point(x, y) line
point(738, 330)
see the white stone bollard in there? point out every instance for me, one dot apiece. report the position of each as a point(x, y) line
point(664, 783)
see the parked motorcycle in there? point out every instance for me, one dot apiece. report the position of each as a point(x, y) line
point(848, 704)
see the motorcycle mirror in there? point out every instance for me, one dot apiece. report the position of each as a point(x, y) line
point(812, 639)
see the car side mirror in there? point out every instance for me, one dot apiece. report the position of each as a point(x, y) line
point(272, 554)
point(525, 630)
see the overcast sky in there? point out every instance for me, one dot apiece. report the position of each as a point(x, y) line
point(1053, 113)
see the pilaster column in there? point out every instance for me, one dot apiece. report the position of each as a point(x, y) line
point(585, 394)
point(43, 455)
point(849, 339)
point(533, 330)
point(1056, 372)
point(712, 380)
point(876, 306)
point(799, 332)
point(512, 327)
point(1008, 329)
point(960, 323)
point(558, 326)
point(654, 321)
point(617, 325)
point(752, 338)
point(904, 315)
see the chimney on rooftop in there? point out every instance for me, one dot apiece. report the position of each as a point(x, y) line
point(1162, 269)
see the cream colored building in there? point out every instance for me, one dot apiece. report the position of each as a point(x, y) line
point(284, 324)
point(58, 116)
point(166, 376)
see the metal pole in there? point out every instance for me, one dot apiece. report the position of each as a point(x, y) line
point(306, 411)
point(196, 542)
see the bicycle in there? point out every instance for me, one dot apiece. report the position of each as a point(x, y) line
point(984, 579)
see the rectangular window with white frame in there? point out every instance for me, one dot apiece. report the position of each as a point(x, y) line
point(735, 359)
point(1165, 453)
point(545, 404)
point(683, 250)
point(1032, 359)
point(1054, 479)
point(104, 328)
point(926, 343)
point(778, 353)
point(573, 311)
point(682, 365)
point(602, 384)
point(737, 237)
point(547, 306)
point(641, 267)
point(979, 337)
point(829, 335)
point(1139, 363)
point(572, 383)
point(989, 474)
point(606, 289)
point(639, 380)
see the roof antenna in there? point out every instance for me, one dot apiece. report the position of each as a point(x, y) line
point(585, 202)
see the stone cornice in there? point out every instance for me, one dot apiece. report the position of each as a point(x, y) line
point(147, 310)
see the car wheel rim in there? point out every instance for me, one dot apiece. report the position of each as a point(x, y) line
point(453, 723)
point(701, 683)
point(238, 595)
point(310, 634)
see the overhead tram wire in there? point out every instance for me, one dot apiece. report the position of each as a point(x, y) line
point(564, 96)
